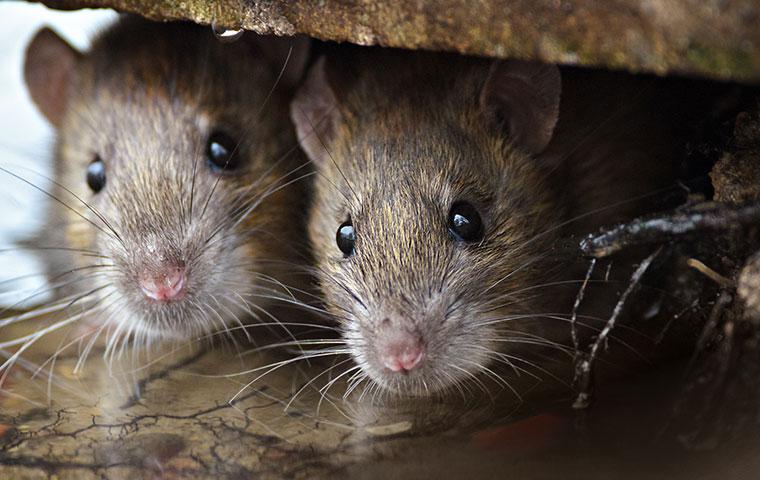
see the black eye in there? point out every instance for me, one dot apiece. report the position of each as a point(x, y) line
point(345, 238)
point(221, 152)
point(96, 174)
point(465, 223)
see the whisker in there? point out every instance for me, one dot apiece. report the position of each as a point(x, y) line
point(67, 206)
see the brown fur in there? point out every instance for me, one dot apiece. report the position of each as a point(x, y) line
point(406, 138)
point(145, 98)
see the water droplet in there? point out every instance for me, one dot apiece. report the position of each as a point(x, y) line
point(226, 35)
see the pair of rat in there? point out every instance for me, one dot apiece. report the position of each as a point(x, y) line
point(181, 193)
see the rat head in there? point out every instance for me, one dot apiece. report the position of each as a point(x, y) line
point(175, 170)
point(429, 219)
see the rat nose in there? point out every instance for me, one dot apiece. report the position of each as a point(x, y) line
point(402, 354)
point(165, 285)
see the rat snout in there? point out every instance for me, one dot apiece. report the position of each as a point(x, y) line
point(399, 350)
point(164, 284)
point(403, 356)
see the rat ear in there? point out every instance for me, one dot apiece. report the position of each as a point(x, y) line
point(287, 54)
point(315, 113)
point(49, 69)
point(523, 98)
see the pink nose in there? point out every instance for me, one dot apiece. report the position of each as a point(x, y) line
point(403, 355)
point(163, 286)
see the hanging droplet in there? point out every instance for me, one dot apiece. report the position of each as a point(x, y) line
point(226, 35)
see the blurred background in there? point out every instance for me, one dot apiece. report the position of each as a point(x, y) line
point(26, 141)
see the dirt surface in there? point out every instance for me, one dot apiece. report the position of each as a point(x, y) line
point(190, 415)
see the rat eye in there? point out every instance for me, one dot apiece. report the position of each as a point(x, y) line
point(221, 152)
point(96, 174)
point(345, 238)
point(465, 223)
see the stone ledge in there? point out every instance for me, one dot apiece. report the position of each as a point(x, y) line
point(710, 38)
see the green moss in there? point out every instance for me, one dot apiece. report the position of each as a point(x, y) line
point(722, 62)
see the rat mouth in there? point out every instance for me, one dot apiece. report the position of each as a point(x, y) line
point(422, 380)
point(423, 372)
point(414, 384)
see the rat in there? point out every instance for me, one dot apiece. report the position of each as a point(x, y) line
point(443, 185)
point(177, 193)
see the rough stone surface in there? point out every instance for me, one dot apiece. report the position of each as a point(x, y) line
point(711, 38)
point(736, 177)
point(749, 287)
point(194, 415)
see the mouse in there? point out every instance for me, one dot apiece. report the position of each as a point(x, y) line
point(177, 195)
point(444, 184)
